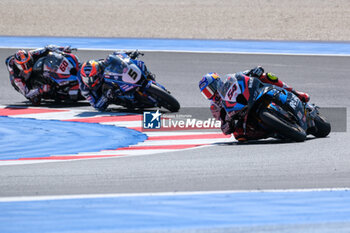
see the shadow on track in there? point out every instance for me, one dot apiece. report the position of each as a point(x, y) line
point(268, 141)
point(52, 104)
point(49, 104)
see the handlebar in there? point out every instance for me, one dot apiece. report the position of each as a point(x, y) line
point(134, 54)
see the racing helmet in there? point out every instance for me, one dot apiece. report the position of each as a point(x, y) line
point(24, 61)
point(209, 85)
point(90, 73)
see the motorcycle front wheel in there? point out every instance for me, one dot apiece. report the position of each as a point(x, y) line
point(323, 127)
point(164, 98)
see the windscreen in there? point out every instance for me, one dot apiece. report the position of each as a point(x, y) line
point(116, 65)
point(53, 61)
point(225, 86)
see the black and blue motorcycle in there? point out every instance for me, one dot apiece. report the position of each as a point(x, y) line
point(272, 109)
point(59, 70)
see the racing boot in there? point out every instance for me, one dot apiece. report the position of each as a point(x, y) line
point(273, 79)
point(301, 95)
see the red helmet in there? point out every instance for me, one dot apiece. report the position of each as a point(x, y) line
point(90, 73)
point(24, 61)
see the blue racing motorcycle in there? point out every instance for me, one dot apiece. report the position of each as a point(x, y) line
point(133, 86)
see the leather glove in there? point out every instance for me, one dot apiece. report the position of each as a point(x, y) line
point(256, 72)
point(52, 47)
point(134, 54)
point(68, 49)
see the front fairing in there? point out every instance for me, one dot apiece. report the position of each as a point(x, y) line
point(61, 69)
point(236, 92)
point(123, 72)
point(279, 100)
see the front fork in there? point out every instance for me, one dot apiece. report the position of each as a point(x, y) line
point(155, 83)
point(311, 112)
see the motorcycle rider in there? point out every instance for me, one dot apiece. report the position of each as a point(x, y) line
point(92, 84)
point(20, 67)
point(233, 122)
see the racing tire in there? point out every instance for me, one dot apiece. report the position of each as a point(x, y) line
point(164, 98)
point(283, 127)
point(323, 127)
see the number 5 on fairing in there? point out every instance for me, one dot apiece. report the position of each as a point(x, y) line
point(133, 75)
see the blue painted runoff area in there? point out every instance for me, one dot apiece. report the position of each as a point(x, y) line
point(169, 212)
point(31, 138)
point(190, 45)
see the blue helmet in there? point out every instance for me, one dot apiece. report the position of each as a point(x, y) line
point(209, 85)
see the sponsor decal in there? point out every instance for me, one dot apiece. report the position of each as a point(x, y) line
point(294, 101)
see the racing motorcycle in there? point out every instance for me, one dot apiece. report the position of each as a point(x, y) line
point(133, 87)
point(272, 109)
point(59, 70)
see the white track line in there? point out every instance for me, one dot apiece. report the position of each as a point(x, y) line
point(200, 52)
point(183, 142)
point(87, 196)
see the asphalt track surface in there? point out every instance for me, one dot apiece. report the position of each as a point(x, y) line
point(316, 163)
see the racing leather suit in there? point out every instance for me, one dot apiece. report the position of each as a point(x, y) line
point(21, 82)
point(98, 97)
point(248, 132)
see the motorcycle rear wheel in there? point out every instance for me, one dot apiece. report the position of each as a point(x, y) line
point(283, 127)
point(164, 98)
